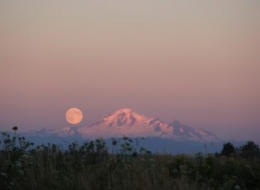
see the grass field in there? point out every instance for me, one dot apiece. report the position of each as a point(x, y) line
point(90, 166)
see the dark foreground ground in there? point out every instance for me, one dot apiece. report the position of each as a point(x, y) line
point(90, 166)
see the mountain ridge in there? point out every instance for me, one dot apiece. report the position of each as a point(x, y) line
point(127, 122)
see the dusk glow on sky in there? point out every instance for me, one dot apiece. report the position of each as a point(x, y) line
point(196, 61)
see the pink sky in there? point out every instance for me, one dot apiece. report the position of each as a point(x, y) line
point(195, 61)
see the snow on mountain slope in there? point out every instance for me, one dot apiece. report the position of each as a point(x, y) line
point(125, 122)
point(181, 131)
point(66, 131)
point(129, 123)
point(122, 117)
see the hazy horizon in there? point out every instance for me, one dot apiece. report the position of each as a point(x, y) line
point(194, 61)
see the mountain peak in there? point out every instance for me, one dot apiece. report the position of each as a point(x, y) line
point(126, 110)
point(124, 116)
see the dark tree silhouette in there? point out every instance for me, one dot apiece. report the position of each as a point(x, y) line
point(228, 150)
point(249, 150)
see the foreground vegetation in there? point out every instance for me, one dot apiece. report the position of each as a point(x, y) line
point(129, 167)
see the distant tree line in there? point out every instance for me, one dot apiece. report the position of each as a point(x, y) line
point(250, 150)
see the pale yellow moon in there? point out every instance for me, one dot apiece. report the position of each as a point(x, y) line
point(74, 116)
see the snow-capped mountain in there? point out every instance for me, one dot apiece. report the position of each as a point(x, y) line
point(126, 122)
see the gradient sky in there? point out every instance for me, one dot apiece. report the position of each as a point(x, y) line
point(195, 61)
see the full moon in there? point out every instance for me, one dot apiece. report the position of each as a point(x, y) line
point(74, 116)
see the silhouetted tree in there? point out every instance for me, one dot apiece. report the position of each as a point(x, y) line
point(228, 150)
point(249, 150)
